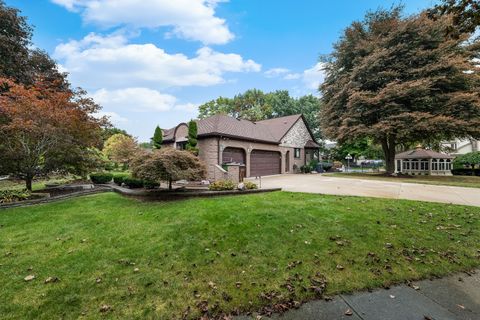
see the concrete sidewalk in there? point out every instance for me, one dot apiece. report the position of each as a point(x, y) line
point(317, 183)
point(452, 298)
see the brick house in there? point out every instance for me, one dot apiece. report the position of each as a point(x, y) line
point(242, 148)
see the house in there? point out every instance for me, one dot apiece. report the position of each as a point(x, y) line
point(423, 162)
point(249, 149)
point(462, 146)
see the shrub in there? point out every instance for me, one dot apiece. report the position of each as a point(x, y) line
point(465, 172)
point(250, 185)
point(119, 178)
point(327, 166)
point(222, 185)
point(8, 196)
point(150, 184)
point(101, 177)
point(133, 183)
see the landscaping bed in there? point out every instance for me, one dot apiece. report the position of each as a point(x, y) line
point(108, 256)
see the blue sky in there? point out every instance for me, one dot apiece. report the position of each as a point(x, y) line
point(153, 62)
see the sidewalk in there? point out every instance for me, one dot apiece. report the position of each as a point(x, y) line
point(450, 298)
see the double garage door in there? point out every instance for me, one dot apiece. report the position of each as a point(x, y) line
point(264, 163)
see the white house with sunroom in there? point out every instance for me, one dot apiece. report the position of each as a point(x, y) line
point(423, 162)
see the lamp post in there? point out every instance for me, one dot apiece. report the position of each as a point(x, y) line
point(348, 158)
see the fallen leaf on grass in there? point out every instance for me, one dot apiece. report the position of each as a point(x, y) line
point(461, 306)
point(105, 308)
point(340, 267)
point(52, 280)
point(29, 277)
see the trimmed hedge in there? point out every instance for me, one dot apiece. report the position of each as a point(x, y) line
point(222, 185)
point(133, 183)
point(150, 184)
point(466, 172)
point(119, 178)
point(101, 177)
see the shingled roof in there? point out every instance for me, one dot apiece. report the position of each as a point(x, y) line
point(268, 131)
point(420, 153)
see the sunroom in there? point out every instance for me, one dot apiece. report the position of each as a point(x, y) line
point(423, 162)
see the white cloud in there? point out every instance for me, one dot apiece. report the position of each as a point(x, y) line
point(114, 117)
point(292, 76)
point(98, 61)
point(187, 107)
point(275, 72)
point(188, 19)
point(135, 99)
point(313, 77)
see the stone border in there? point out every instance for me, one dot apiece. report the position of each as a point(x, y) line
point(178, 195)
point(99, 189)
point(151, 195)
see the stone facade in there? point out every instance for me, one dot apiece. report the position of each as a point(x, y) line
point(297, 137)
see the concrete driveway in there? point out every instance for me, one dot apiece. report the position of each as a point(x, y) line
point(317, 183)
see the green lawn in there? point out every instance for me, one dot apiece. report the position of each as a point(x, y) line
point(456, 181)
point(223, 254)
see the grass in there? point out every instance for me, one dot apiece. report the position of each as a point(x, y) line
point(456, 181)
point(221, 254)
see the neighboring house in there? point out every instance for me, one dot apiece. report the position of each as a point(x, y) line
point(423, 162)
point(459, 146)
point(249, 149)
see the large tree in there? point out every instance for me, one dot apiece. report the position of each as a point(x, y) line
point(167, 164)
point(120, 148)
point(44, 130)
point(255, 105)
point(18, 61)
point(398, 80)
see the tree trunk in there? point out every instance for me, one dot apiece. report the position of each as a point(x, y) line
point(28, 183)
point(388, 147)
point(169, 184)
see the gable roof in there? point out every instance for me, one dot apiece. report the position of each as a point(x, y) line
point(422, 154)
point(280, 126)
point(268, 131)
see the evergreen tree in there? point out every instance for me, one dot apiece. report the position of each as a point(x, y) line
point(192, 137)
point(157, 138)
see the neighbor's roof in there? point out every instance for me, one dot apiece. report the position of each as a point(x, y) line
point(422, 154)
point(269, 131)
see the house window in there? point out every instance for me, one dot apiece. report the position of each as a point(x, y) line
point(296, 153)
point(181, 145)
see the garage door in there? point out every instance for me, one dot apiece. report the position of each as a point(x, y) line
point(233, 155)
point(264, 163)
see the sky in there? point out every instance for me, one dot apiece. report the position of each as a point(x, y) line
point(154, 62)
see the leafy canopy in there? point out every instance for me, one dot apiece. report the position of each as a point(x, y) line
point(120, 148)
point(396, 80)
point(167, 164)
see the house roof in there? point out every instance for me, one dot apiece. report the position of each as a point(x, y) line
point(420, 153)
point(280, 126)
point(311, 144)
point(269, 131)
point(230, 127)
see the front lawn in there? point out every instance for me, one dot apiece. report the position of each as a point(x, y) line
point(455, 181)
point(121, 258)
